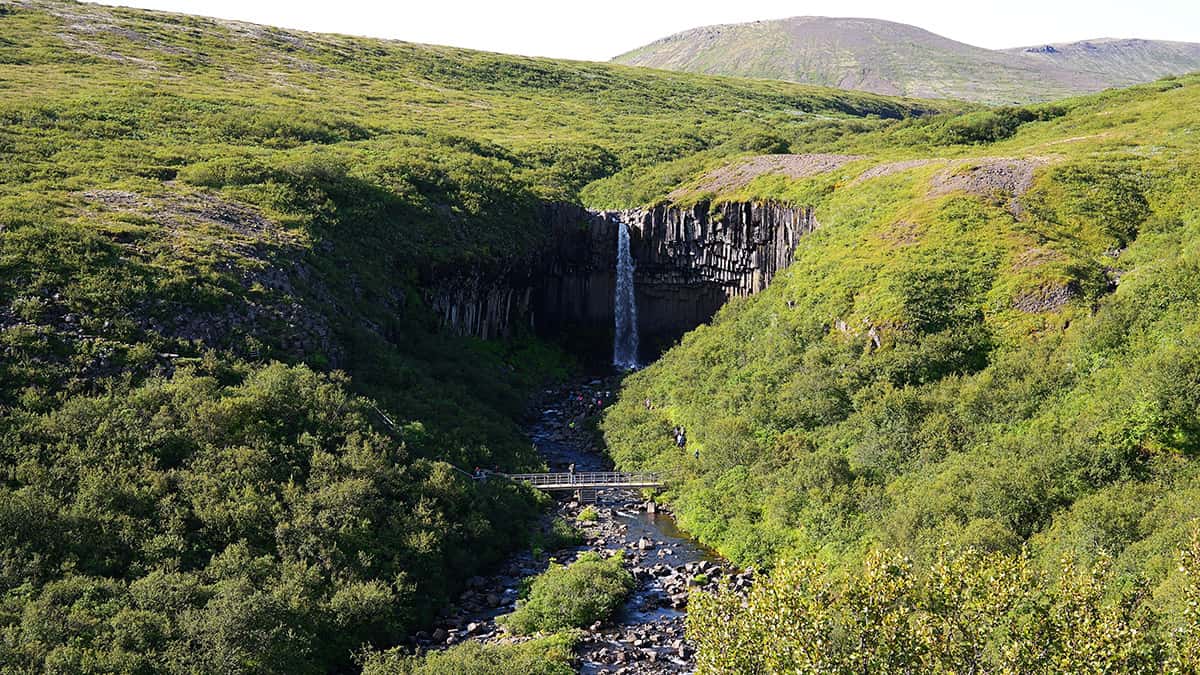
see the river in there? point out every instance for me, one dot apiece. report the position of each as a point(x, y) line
point(647, 635)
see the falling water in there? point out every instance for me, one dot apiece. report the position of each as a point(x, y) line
point(625, 342)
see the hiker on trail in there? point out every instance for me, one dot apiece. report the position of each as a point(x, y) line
point(681, 438)
point(697, 455)
point(648, 404)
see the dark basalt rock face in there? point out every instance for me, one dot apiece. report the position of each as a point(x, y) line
point(689, 262)
point(564, 289)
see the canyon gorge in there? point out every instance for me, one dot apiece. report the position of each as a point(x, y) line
point(688, 261)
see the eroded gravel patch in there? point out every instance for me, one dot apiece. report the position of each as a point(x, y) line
point(988, 177)
point(740, 174)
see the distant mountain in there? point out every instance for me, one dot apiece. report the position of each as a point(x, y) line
point(1119, 62)
point(894, 58)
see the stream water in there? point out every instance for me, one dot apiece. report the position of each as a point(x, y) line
point(647, 635)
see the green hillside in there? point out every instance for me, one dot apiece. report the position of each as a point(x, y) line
point(233, 434)
point(991, 343)
point(893, 58)
point(229, 425)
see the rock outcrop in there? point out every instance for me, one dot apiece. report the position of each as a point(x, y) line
point(689, 261)
point(566, 286)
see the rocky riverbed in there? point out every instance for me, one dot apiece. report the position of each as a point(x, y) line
point(647, 636)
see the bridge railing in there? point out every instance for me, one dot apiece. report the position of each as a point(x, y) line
point(605, 478)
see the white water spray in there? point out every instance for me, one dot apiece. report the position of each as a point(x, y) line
point(625, 341)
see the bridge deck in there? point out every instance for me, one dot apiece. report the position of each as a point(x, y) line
point(588, 480)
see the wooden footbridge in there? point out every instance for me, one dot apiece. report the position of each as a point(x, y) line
point(588, 480)
point(586, 484)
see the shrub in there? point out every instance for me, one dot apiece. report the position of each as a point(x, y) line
point(589, 515)
point(588, 590)
point(543, 656)
point(992, 125)
point(966, 612)
point(305, 530)
point(561, 534)
point(761, 142)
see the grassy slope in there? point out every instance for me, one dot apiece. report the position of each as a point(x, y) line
point(984, 417)
point(893, 58)
point(184, 201)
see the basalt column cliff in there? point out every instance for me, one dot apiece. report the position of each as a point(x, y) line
point(566, 287)
point(688, 262)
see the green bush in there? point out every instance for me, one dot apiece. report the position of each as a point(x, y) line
point(966, 612)
point(572, 596)
point(255, 516)
point(760, 142)
point(542, 656)
point(561, 534)
point(589, 515)
point(979, 127)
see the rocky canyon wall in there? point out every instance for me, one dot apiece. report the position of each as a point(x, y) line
point(689, 261)
point(567, 285)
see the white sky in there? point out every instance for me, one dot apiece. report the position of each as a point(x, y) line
point(600, 29)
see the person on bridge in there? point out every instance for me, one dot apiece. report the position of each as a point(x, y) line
point(571, 472)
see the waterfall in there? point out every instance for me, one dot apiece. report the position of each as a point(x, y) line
point(625, 341)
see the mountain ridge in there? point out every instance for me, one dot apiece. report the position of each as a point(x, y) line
point(888, 57)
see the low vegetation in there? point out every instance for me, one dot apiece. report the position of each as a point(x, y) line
point(552, 655)
point(571, 596)
point(559, 535)
point(968, 612)
point(258, 516)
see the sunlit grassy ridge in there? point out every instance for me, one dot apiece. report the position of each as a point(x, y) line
point(955, 359)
